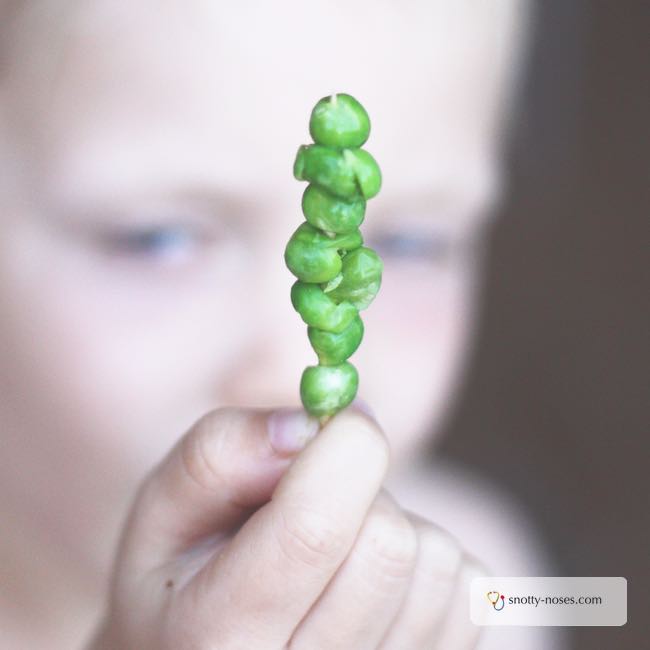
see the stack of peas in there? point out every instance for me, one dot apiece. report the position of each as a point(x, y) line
point(337, 275)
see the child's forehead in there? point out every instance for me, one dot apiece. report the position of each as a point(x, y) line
point(237, 80)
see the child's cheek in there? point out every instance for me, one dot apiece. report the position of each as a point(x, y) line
point(120, 364)
point(416, 337)
point(417, 300)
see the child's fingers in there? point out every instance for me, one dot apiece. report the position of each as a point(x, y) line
point(362, 599)
point(431, 592)
point(458, 631)
point(282, 558)
point(227, 464)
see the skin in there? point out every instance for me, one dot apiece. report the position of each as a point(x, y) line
point(146, 201)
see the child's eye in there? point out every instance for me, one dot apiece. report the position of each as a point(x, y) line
point(156, 243)
point(412, 245)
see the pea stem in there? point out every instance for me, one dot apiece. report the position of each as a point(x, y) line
point(323, 420)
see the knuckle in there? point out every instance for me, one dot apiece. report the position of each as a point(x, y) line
point(392, 543)
point(441, 553)
point(196, 456)
point(204, 446)
point(474, 568)
point(311, 538)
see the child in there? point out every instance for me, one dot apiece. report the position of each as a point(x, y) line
point(147, 197)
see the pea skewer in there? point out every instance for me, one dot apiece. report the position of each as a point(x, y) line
point(337, 275)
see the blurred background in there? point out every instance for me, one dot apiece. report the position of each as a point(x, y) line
point(555, 402)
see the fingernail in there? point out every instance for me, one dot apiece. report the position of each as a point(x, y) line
point(291, 429)
point(364, 407)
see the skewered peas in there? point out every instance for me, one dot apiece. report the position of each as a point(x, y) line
point(345, 174)
point(312, 256)
point(337, 275)
point(324, 211)
point(334, 348)
point(340, 123)
point(324, 390)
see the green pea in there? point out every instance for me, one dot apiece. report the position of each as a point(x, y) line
point(328, 212)
point(346, 174)
point(339, 121)
point(314, 257)
point(324, 390)
point(334, 348)
point(327, 168)
point(366, 171)
point(317, 309)
point(361, 278)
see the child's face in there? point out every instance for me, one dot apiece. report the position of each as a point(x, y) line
point(149, 196)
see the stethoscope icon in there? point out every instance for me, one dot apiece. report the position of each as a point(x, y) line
point(496, 599)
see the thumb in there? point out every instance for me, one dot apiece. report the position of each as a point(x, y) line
point(227, 465)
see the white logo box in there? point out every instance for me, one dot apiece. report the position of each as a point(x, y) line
point(548, 601)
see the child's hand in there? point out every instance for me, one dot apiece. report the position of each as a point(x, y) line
point(231, 545)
